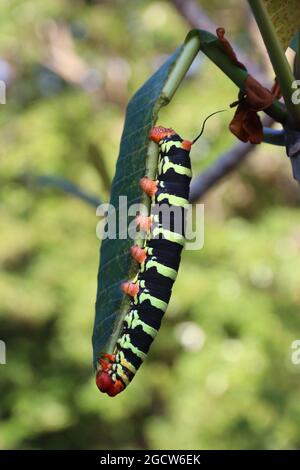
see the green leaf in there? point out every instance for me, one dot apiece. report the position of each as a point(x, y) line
point(285, 16)
point(136, 158)
point(116, 262)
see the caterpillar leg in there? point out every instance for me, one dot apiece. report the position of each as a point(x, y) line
point(138, 254)
point(110, 357)
point(130, 288)
point(143, 222)
point(148, 186)
point(104, 381)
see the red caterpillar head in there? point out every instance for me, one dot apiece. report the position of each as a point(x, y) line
point(158, 133)
point(103, 379)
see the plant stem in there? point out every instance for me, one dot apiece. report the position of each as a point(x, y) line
point(209, 44)
point(196, 17)
point(190, 50)
point(277, 111)
point(276, 53)
point(58, 182)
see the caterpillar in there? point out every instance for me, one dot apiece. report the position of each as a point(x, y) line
point(158, 260)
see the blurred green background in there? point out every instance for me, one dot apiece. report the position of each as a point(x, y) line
point(219, 374)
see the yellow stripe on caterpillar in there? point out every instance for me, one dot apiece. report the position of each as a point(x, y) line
point(126, 343)
point(166, 146)
point(173, 200)
point(161, 268)
point(165, 165)
point(154, 301)
point(168, 235)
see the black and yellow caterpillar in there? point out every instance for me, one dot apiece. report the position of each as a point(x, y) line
point(159, 260)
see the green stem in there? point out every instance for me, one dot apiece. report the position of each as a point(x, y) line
point(190, 50)
point(57, 182)
point(276, 53)
point(277, 111)
point(209, 44)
